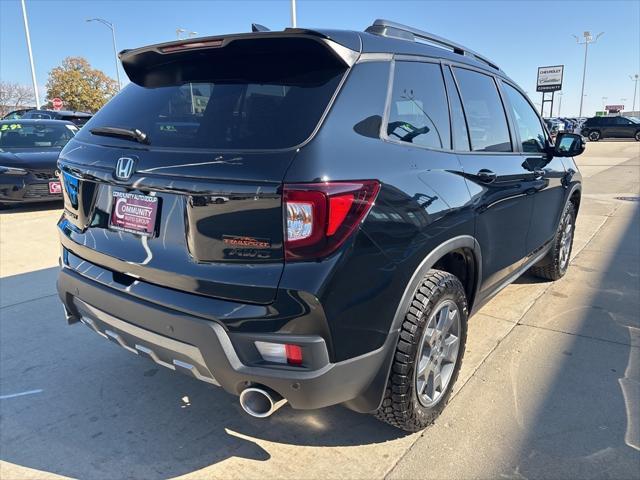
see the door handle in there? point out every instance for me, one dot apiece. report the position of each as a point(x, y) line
point(486, 176)
point(538, 174)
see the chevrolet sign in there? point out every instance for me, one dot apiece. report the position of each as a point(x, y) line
point(550, 78)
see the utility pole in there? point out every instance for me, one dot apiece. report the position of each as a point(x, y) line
point(294, 20)
point(634, 78)
point(604, 99)
point(587, 40)
point(113, 41)
point(33, 69)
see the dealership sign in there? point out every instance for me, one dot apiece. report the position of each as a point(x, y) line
point(614, 108)
point(550, 78)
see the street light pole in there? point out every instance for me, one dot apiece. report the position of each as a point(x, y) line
point(604, 99)
point(587, 40)
point(559, 102)
point(294, 19)
point(634, 79)
point(33, 69)
point(180, 31)
point(113, 38)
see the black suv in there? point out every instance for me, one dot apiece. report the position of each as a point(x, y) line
point(310, 216)
point(611, 127)
point(78, 118)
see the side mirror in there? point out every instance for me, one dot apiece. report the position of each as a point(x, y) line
point(568, 145)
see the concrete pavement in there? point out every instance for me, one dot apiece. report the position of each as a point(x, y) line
point(550, 386)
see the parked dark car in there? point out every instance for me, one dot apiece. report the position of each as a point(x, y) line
point(318, 231)
point(29, 151)
point(17, 114)
point(597, 128)
point(78, 118)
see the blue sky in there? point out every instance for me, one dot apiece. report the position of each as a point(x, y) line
point(518, 35)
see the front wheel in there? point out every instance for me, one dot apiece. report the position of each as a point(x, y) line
point(594, 136)
point(637, 136)
point(554, 266)
point(428, 354)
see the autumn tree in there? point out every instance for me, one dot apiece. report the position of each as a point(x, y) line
point(79, 86)
point(14, 96)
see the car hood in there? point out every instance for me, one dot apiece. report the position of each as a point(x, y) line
point(32, 159)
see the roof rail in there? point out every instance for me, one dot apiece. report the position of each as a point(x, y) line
point(387, 28)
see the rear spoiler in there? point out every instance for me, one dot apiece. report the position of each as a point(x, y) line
point(150, 65)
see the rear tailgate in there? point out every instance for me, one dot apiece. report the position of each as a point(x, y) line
point(222, 128)
point(218, 237)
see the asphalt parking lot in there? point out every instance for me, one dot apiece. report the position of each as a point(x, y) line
point(550, 386)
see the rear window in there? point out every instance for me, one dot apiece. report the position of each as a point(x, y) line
point(77, 120)
point(418, 112)
point(265, 111)
point(33, 135)
point(38, 115)
point(485, 114)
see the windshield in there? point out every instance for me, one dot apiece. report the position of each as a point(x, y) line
point(267, 111)
point(634, 119)
point(35, 135)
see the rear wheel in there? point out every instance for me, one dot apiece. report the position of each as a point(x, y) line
point(428, 355)
point(637, 136)
point(594, 136)
point(555, 265)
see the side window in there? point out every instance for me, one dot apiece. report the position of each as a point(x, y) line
point(487, 122)
point(622, 121)
point(418, 112)
point(459, 130)
point(527, 121)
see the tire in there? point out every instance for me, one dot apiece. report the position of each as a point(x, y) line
point(554, 266)
point(594, 136)
point(637, 136)
point(403, 406)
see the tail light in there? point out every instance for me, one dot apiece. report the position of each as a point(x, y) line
point(321, 216)
point(280, 352)
point(190, 45)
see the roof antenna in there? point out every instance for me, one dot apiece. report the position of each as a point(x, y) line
point(256, 27)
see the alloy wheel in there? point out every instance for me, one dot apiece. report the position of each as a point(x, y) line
point(566, 242)
point(438, 353)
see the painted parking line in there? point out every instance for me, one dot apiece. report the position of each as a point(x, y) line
point(21, 394)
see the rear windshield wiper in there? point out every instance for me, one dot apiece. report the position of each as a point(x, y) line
point(127, 133)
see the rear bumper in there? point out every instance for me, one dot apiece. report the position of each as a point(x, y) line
point(207, 351)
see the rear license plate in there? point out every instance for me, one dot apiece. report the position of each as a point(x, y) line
point(55, 188)
point(134, 213)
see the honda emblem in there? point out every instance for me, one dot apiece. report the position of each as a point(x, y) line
point(124, 168)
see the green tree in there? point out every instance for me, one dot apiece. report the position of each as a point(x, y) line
point(79, 86)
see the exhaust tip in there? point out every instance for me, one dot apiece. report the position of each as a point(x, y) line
point(260, 403)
